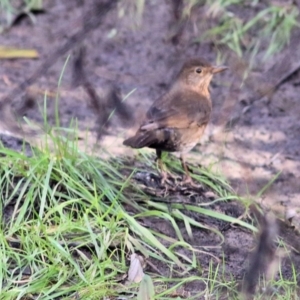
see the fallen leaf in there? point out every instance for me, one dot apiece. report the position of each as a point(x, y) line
point(135, 273)
point(11, 53)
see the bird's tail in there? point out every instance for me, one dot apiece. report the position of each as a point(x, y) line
point(141, 139)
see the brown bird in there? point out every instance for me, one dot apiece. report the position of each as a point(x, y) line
point(176, 121)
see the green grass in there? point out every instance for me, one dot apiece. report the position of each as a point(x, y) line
point(70, 222)
point(249, 26)
point(68, 231)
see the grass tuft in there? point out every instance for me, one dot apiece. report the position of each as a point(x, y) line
point(245, 27)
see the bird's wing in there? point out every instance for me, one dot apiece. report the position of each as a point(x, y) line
point(178, 110)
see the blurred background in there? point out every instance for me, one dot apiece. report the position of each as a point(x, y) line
point(98, 65)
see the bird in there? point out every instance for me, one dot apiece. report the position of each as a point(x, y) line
point(176, 121)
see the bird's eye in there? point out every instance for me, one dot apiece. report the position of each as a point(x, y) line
point(198, 70)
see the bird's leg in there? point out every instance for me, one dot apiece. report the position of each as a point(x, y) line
point(163, 173)
point(187, 177)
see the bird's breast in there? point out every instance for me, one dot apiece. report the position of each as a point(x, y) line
point(190, 137)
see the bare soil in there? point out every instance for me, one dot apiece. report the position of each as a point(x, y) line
point(250, 139)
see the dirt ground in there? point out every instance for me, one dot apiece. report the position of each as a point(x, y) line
point(250, 139)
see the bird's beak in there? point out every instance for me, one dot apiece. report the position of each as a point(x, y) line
point(218, 69)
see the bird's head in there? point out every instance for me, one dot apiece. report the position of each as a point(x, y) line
point(197, 74)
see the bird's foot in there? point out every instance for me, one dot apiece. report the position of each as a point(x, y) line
point(169, 178)
point(165, 183)
point(164, 177)
point(187, 180)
